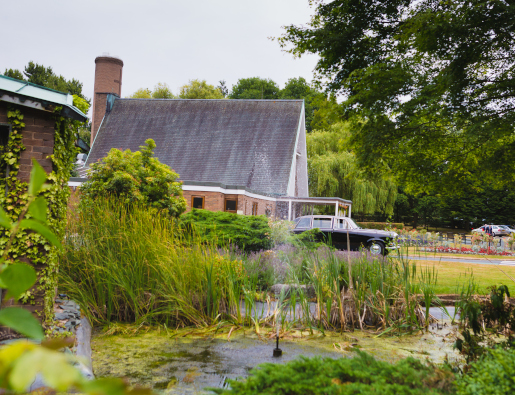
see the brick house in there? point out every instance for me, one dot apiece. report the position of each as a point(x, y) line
point(39, 106)
point(242, 156)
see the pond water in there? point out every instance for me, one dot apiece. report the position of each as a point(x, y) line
point(191, 363)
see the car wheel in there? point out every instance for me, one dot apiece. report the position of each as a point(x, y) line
point(493, 234)
point(376, 248)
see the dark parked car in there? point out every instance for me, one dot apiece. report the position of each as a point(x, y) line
point(334, 230)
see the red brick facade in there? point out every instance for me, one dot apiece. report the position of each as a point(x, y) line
point(38, 138)
point(215, 201)
point(108, 79)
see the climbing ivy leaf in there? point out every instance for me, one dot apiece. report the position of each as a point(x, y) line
point(41, 229)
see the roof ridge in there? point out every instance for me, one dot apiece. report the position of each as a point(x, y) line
point(33, 84)
point(264, 100)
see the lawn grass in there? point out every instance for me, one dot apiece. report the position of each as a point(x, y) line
point(441, 255)
point(452, 275)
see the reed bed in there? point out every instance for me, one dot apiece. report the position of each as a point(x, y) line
point(134, 265)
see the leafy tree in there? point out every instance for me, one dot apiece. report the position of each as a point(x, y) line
point(315, 102)
point(223, 88)
point(136, 177)
point(255, 88)
point(431, 81)
point(14, 73)
point(45, 76)
point(334, 171)
point(141, 93)
point(197, 89)
point(162, 91)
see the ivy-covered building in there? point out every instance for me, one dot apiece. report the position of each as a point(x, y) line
point(35, 123)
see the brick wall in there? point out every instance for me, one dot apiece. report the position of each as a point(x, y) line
point(38, 138)
point(215, 201)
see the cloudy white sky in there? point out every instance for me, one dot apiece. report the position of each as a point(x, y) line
point(167, 41)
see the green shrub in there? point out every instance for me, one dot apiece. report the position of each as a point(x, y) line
point(360, 375)
point(494, 373)
point(380, 225)
point(135, 177)
point(249, 233)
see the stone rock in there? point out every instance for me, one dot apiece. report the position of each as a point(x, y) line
point(62, 316)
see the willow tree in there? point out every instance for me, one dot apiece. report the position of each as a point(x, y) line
point(334, 171)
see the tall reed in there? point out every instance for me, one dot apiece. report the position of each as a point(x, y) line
point(133, 264)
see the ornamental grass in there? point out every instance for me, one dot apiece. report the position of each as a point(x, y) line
point(136, 265)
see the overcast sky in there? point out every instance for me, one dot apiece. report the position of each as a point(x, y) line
point(158, 40)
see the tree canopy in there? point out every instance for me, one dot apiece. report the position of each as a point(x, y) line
point(200, 89)
point(315, 102)
point(431, 81)
point(45, 76)
point(161, 91)
point(255, 88)
point(334, 171)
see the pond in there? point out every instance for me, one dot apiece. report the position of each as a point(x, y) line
point(188, 362)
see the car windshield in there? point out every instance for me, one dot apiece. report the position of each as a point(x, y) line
point(353, 224)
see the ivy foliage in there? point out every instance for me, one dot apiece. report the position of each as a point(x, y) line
point(28, 244)
point(135, 177)
point(334, 171)
point(360, 375)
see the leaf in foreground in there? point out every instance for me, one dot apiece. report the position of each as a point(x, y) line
point(21, 321)
point(17, 278)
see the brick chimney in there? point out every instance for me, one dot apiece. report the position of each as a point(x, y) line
point(108, 79)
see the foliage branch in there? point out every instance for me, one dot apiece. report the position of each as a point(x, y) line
point(430, 81)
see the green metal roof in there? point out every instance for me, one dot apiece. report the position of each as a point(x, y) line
point(31, 95)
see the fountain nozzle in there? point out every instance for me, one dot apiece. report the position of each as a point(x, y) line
point(277, 351)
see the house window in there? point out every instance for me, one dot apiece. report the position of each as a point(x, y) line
point(197, 202)
point(231, 205)
point(4, 140)
point(254, 208)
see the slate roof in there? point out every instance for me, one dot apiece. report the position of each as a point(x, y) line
point(235, 142)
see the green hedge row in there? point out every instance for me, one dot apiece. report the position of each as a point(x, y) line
point(360, 375)
point(380, 225)
point(249, 233)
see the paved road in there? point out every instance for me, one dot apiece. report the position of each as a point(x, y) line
point(485, 261)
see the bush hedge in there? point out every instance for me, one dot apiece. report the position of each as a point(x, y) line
point(249, 233)
point(492, 374)
point(380, 225)
point(360, 375)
